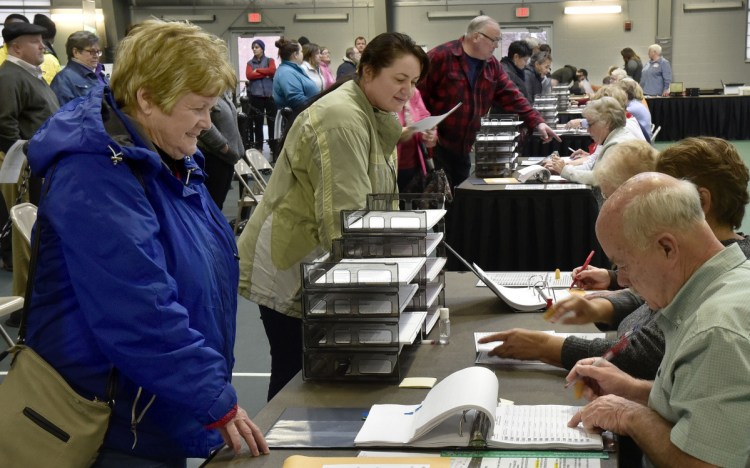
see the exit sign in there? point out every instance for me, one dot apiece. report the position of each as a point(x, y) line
point(522, 12)
point(254, 18)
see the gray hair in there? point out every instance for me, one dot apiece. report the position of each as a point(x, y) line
point(676, 208)
point(618, 74)
point(631, 88)
point(540, 57)
point(623, 161)
point(80, 40)
point(533, 42)
point(607, 109)
point(477, 24)
point(656, 48)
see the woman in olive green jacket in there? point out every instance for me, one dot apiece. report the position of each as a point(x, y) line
point(341, 148)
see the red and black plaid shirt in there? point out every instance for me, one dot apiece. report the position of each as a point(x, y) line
point(447, 84)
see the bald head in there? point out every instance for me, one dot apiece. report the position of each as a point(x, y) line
point(654, 229)
point(650, 202)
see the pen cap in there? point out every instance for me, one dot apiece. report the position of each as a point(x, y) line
point(444, 313)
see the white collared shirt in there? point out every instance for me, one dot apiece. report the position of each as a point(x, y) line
point(33, 69)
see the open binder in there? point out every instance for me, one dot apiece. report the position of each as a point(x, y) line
point(462, 411)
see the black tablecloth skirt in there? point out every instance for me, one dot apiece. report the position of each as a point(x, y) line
point(522, 230)
point(725, 117)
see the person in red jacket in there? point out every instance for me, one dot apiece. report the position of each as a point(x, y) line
point(260, 70)
point(465, 71)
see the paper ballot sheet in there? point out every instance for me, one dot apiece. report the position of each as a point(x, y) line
point(432, 121)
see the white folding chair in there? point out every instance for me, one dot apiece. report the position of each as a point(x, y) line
point(655, 132)
point(23, 216)
point(259, 166)
point(251, 191)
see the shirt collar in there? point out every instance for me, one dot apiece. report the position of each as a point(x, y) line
point(729, 258)
point(33, 69)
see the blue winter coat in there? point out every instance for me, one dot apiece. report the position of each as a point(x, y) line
point(292, 87)
point(73, 81)
point(139, 277)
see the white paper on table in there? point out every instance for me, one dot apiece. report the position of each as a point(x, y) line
point(432, 121)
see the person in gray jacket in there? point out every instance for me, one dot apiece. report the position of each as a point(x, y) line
point(222, 147)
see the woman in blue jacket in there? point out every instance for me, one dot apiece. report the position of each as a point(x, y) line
point(137, 267)
point(291, 86)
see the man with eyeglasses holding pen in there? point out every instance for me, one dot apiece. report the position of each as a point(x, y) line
point(697, 411)
point(465, 71)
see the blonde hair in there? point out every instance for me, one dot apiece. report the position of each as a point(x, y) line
point(169, 60)
point(607, 109)
point(675, 207)
point(623, 161)
point(631, 88)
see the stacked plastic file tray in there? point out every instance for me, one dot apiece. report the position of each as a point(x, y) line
point(350, 322)
point(357, 304)
point(546, 105)
point(495, 148)
point(562, 93)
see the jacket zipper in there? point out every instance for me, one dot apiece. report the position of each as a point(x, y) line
point(46, 424)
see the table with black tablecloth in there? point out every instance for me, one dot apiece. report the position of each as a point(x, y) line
point(535, 230)
point(725, 117)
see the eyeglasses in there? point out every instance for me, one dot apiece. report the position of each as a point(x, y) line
point(94, 52)
point(494, 41)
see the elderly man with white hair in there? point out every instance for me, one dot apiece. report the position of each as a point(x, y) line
point(697, 410)
point(657, 74)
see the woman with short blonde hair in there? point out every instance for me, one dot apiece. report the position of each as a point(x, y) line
point(137, 265)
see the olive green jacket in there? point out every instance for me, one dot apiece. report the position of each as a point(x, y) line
point(339, 150)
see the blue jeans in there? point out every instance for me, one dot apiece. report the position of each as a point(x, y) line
point(109, 458)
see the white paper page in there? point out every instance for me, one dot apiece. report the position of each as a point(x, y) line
point(409, 326)
point(377, 220)
point(13, 163)
point(540, 426)
point(433, 240)
point(524, 187)
point(524, 278)
point(434, 267)
point(408, 267)
point(567, 186)
point(485, 359)
point(487, 347)
point(540, 463)
point(432, 121)
point(432, 291)
point(388, 424)
point(379, 465)
point(523, 299)
point(469, 388)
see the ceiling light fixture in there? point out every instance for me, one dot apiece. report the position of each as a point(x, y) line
point(592, 9)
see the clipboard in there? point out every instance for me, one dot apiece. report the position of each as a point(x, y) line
point(520, 299)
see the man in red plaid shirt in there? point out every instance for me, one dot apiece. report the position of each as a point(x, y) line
point(465, 71)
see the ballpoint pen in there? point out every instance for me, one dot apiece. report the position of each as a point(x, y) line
point(585, 265)
point(611, 353)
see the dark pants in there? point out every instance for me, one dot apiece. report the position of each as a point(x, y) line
point(261, 107)
point(219, 179)
point(405, 176)
point(456, 166)
point(285, 336)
